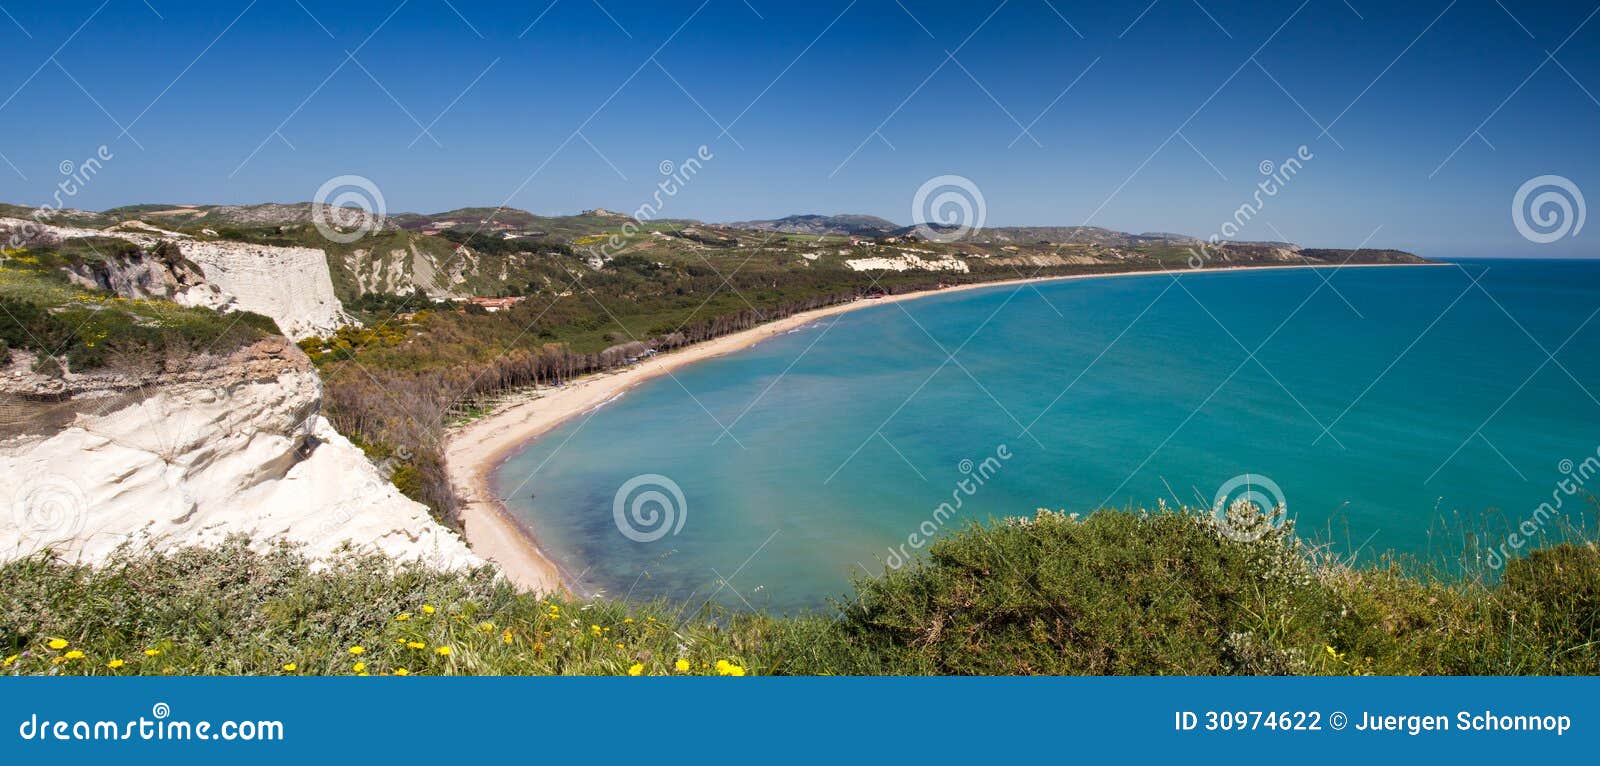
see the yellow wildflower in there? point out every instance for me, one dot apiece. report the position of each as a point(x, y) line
point(427, 609)
point(402, 672)
point(358, 649)
point(595, 629)
point(9, 660)
point(289, 667)
point(151, 652)
point(360, 666)
point(114, 664)
point(726, 668)
point(682, 666)
point(74, 655)
point(443, 651)
point(416, 645)
point(505, 637)
point(627, 620)
point(486, 626)
point(736, 671)
point(636, 669)
point(58, 643)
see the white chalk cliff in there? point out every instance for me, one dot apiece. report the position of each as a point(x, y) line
point(221, 446)
point(907, 262)
point(290, 284)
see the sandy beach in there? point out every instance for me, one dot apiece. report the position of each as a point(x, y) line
point(475, 450)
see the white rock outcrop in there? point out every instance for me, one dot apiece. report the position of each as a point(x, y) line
point(161, 275)
point(907, 262)
point(236, 446)
point(290, 284)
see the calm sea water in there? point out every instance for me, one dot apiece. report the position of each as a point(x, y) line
point(1392, 407)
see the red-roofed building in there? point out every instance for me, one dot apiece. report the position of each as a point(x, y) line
point(495, 304)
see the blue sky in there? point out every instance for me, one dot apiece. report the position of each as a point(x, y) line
point(1139, 116)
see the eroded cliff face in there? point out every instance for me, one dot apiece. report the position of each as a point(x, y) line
point(223, 446)
point(290, 284)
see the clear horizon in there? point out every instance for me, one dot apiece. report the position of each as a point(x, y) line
point(1420, 123)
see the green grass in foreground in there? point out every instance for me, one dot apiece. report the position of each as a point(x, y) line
point(1113, 593)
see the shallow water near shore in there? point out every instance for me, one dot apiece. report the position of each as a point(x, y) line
point(1393, 408)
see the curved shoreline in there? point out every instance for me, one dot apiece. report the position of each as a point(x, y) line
point(474, 451)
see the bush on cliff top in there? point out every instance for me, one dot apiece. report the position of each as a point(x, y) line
point(1157, 593)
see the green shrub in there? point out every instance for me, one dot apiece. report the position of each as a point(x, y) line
point(1113, 593)
point(26, 325)
point(47, 366)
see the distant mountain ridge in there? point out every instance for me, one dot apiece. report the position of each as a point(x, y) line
point(507, 218)
point(852, 225)
point(858, 225)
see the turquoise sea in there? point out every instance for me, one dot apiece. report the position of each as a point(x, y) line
point(1393, 408)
